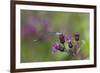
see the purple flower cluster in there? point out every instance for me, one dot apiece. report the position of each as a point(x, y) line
point(34, 26)
point(62, 38)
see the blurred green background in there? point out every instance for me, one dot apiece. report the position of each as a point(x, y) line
point(36, 43)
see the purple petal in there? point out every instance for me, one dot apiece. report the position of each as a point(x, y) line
point(53, 50)
point(76, 33)
point(28, 30)
point(32, 20)
point(56, 45)
point(35, 25)
point(68, 38)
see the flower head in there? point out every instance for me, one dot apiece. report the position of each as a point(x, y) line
point(55, 47)
point(76, 34)
point(62, 38)
point(69, 40)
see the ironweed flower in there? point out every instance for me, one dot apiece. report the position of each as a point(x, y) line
point(76, 34)
point(27, 30)
point(62, 38)
point(74, 46)
point(35, 26)
point(56, 46)
point(69, 40)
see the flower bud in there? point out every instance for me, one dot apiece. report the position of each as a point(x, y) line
point(62, 38)
point(70, 45)
point(69, 40)
point(76, 34)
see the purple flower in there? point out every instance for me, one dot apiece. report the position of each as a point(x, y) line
point(35, 26)
point(76, 34)
point(27, 30)
point(62, 38)
point(69, 40)
point(56, 47)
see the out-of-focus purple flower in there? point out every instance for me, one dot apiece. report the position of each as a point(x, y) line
point(56, 47)
point(45, 22)
point(27, 30)
point(76, 34)
point(62, 38)
point(69, 40)
point(35, 26)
